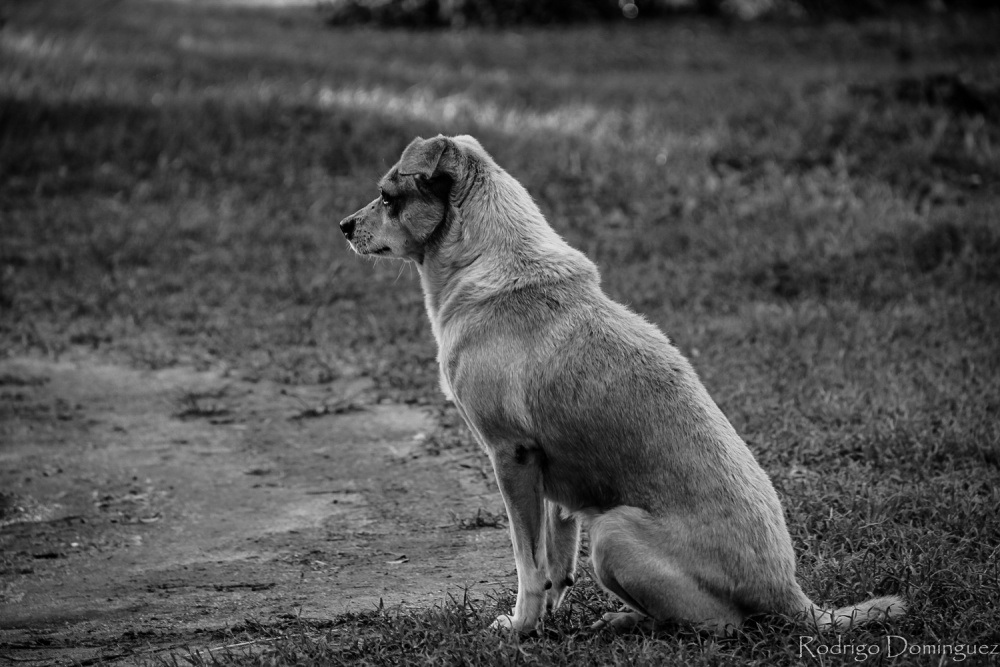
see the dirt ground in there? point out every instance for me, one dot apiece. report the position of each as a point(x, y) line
point(143, 509)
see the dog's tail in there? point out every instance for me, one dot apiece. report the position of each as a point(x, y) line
point(844, 618)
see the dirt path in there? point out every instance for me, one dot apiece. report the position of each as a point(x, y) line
point(150, 507)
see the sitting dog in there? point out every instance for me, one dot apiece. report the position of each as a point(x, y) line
point(590, 416)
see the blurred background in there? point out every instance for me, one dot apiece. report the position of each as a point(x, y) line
point(172, 172)
point(802, 194)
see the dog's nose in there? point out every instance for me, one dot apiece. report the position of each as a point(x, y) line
point(347, 226)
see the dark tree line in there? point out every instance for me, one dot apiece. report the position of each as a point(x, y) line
point(500, 13)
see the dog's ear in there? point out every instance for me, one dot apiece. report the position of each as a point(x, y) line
point(447, 166)
point(423, 157)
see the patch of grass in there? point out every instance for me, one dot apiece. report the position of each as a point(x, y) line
point(451, 633)
point(811, 217)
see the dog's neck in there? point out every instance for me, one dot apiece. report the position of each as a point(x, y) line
point(496, 240)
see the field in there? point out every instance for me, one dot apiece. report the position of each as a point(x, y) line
point(811, 213)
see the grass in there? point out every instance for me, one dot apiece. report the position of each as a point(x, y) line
point(810, 212)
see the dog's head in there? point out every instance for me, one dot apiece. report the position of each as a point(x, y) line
point(410, 216)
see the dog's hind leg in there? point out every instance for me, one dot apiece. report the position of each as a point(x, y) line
point(563, 536)
point(636, 557)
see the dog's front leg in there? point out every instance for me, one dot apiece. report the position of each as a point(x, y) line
point(519, 474)
point(563, 538)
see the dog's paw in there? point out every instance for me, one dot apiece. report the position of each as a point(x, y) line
point(623, 621)
point(511, 624)
point(503, 622)
point(556, 593)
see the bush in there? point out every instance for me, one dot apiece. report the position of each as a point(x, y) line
point(491, 13)
point(502, 13)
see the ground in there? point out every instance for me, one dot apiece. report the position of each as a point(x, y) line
point(166, 507)
point(809, 210)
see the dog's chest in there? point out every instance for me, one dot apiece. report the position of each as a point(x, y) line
point(442, 357)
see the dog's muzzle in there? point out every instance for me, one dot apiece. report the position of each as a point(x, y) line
point(347, 226)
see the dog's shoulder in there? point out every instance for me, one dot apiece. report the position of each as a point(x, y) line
point(496, 340)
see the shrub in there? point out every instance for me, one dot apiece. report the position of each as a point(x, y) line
point(502, 13)
point(491, 13)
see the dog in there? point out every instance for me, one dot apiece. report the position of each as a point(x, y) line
point(590, 416)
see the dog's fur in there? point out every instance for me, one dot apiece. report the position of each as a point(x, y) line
point(587, 411)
